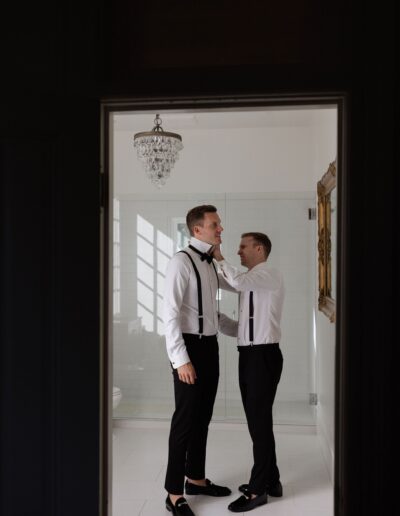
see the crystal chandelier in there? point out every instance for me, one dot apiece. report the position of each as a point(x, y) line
point(158, 150)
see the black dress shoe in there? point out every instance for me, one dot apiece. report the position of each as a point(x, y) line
point(181, 507)
point(209, 489)
point(275, 490)
point(246, 503)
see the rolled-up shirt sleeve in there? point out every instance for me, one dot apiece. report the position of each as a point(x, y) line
point(176, 281)
point(223, 283)
point(256, 278)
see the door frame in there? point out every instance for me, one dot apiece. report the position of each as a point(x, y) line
point(192, 103)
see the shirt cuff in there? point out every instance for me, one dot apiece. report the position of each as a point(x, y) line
point(180, 359)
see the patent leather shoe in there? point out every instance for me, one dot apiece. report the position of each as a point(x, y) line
point(181, 507)
point(246, 503)
point(209, 489)
point(275, 490)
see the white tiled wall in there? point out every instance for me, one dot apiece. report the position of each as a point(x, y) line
point(141, 367)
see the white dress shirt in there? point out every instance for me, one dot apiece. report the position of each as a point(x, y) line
point(181, 314)
point(268, 294)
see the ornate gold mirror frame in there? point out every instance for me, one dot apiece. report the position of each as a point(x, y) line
point(324, 188)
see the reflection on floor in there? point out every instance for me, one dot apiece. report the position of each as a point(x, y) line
point(140, 455)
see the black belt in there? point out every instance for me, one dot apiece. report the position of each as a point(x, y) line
point(197, 336)
point(273, 345)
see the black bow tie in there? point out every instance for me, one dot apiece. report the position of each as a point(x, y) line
point(203, 256)
point(207, 257)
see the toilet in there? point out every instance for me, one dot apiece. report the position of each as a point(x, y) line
point(117, 395)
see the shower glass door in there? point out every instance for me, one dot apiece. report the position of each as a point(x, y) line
point(146, 234)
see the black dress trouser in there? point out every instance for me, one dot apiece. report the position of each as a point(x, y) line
point(193, 411)
point(260, 368)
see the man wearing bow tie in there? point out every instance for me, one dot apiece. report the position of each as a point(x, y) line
point(192, 320)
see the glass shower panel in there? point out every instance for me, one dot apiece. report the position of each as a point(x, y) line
point(146, 235)
point(150, 232)
point(286, 222)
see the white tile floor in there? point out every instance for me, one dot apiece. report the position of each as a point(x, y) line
point(140, 455)
point(285, 412)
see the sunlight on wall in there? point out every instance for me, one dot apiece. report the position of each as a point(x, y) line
point(145, 229)
point(165, 244)
point(145, 249)
point(145, 273)
point(152, 261)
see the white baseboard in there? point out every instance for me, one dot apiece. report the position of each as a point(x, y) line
point(218, 425)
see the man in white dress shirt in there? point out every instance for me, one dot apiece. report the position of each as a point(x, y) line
point(192, 320)
point(260, 360)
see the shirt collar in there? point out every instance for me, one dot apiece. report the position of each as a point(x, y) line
point(204, 247)
point(260, 265)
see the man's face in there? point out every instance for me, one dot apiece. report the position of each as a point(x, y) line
point(210, 230)
point(249, 252)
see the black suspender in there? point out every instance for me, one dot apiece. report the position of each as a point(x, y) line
point(216, 274)
point(199, 291)
point(251, 318)
point(199, 294)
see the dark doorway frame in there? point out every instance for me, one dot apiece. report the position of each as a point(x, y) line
point(155, 104)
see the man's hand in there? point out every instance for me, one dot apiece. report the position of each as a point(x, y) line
point(217, 253)
point(186, 373)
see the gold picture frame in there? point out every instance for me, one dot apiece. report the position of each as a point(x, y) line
point(326, 303)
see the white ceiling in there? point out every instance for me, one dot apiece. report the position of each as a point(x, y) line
point(223, 119)
point(254, 150)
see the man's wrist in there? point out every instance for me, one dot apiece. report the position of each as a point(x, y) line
point(219, 257)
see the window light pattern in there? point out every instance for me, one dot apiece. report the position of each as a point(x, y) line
point(154, 250)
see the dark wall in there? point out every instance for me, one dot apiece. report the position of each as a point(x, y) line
point(50, 359)
point(58, 62)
